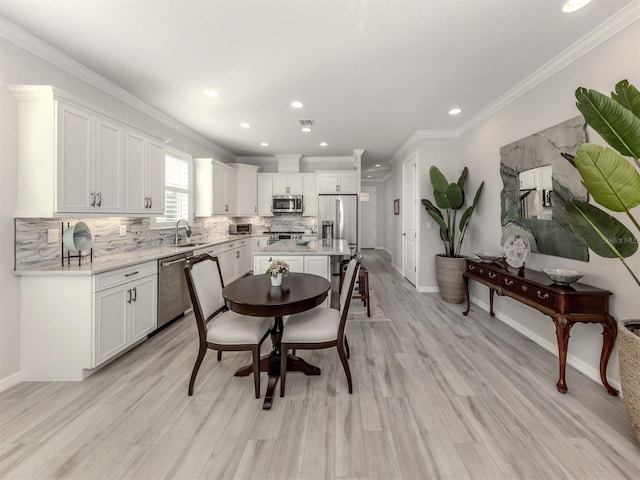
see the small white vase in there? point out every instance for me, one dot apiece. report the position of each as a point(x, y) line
point(277, 280)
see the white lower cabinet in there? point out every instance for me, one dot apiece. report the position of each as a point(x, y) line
point(234, 258)
point(73, 323)
point(123, 315)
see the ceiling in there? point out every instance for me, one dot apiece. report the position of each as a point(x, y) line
point(370, 73)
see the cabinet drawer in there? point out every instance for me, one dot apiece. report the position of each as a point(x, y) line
point(538, 295)
point(122, 275)
point(482, 273)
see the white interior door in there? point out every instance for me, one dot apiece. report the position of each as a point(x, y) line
point(408, 210)
point(368, 213)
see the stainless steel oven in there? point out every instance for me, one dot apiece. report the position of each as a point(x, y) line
point(287, 204)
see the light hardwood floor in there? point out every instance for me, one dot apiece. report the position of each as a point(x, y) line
point(436, 395)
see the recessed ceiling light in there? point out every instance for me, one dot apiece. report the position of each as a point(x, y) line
point(368, 176)
point(306, 129)
point(323, 144)
point(297, 104)
point(245, 125)
point(210, 92)
point(454, 111)
point(264, 144)
point(377, 165)
point(573, 5)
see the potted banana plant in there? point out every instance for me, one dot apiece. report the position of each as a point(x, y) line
point(450, 197)
point(612, 177)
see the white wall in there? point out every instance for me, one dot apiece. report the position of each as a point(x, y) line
point(381, 210)
point(548, 104)
point(19, 67)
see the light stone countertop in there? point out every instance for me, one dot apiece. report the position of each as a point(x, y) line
point(112, 262)
point(314, 247)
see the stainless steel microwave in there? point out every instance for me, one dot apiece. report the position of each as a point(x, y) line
point(287, 204)
point(239, 228)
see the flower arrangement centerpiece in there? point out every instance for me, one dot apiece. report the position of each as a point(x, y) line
point(277, 269)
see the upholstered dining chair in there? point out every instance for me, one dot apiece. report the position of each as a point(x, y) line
point(320, 327)
point(218, 327)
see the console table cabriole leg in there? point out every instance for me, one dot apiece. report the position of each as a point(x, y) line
point(491, 292)
point(466, 294)
point(609, 334)
point(563, 328)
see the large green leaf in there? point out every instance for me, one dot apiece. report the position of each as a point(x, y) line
point(603, 234)
point(617, 125)
point(628, 96)
point(437, 216)
point(609, 177)
point(463, 177)
point(466, 216)
point(438, 180)
point(455, 195)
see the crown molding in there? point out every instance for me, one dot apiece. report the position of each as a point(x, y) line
point(604, 31)
point(616, 23)
point(46, 52)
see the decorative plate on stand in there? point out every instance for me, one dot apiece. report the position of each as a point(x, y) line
point(516, 250)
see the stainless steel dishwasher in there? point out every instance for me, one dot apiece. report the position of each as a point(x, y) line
point(173, 293)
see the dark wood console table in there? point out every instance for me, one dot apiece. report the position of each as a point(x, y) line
point(566, 305)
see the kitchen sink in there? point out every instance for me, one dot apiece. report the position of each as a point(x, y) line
point(191, 244)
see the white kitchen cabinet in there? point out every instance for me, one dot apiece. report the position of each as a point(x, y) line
point(143, 174)
point(265, 194)
point(337, 182)
point(259, 242)
point(77, 166)
point(126, 312)
point(234, 258)
point(247, 190)
point(260, 262)
point(287, 184)
point(310, 195)
point(216, 188)
point(72, 324)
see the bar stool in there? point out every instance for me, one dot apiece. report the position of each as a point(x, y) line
point(363, 283)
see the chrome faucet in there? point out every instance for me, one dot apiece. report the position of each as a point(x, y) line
point(188, 231)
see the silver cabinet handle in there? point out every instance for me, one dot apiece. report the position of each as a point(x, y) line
point(542, 296)
point(237, 254)
point(150, 202)
point(508, 282)
point(135, 294)
point(129, 296)
point(93, 199)
point(99, 197)
point(146, 202)
point(131, 274)
point(491, 275)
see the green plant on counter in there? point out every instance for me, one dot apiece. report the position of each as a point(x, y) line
point(609, 176)
point(450, 197)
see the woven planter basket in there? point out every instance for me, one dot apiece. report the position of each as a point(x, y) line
point(629, 353)
point(449, 272)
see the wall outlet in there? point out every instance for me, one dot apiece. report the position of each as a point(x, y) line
point(53, 235)
point(123, 230)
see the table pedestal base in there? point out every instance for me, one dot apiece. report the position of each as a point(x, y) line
point(271, 363)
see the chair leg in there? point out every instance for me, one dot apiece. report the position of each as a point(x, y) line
point(196, 367)
point(219, 355)
point(346, 347)
point(255, 356)
point(366, 293)
point(345, 364)
point(284, 349)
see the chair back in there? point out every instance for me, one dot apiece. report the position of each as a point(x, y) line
point(205, 283)
point(350, 277)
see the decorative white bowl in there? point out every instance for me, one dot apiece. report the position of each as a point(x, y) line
point(562, 276)
point(302, 242)
point(77, 238)
point(489, 256)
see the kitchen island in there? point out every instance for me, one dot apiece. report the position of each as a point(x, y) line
point(315, 257)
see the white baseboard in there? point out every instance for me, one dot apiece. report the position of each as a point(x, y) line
point(397, 268)
point(580, 365)
point(10, 381)
point(428, 289)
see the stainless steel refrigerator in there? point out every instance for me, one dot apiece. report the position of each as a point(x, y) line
point(338, 219)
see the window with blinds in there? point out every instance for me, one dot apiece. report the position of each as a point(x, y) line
point(176, 174)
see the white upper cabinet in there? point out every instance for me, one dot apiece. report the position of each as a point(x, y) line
point(247, 190)
point(265, 194)
point(310, 195)
point(337, 182)
point(216, 188)
point(143, 174)
point(82, 159)
point(287, 184)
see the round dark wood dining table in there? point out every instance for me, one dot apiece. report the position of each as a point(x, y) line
point(254, 295)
